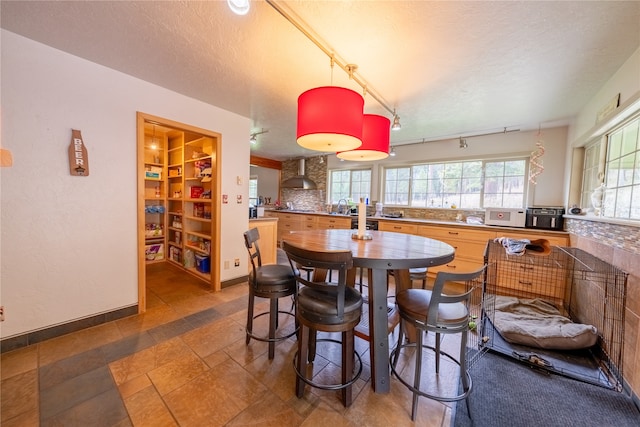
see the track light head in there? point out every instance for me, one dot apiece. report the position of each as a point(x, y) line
point(463, 143)
point(396, 122)
point(392, 153)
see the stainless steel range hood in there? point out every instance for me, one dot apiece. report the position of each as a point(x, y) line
point(299, 181)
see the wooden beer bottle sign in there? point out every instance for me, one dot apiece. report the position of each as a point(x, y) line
point(78, 156)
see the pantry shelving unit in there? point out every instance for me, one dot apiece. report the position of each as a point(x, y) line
point(179, 194)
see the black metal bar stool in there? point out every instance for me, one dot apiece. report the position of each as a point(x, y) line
point(431, 310)
point(272, 281)
point(327, 307)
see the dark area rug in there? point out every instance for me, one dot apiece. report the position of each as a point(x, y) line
point(511, 394)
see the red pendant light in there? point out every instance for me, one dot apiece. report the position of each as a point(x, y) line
point(375, 140)
point(330, 119)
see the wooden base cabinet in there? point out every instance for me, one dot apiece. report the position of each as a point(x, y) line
point(469, 244)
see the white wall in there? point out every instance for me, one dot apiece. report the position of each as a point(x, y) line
point(547, 191)
point(584, 128)
point(626, 82)
point(68, 244)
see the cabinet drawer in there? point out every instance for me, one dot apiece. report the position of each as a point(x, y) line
point(397, 227)
point(531, 280)
point(341, 223)
point(290, 217)
point(467, 249)
point(456, 233)
point(458, 265)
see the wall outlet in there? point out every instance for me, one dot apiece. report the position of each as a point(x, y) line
point(237, 262)
point(226, 265)
point(1, 313)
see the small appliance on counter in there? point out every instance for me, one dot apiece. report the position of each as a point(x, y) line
point(545, 218)
point(507, 217)
point(253, 212)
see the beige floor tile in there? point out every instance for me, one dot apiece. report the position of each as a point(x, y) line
point(19, 361)
point(215, 397)
point(146, 408)
point(153, 317)
point(176, 373)
point(214, 337)
point(267, 412)
point(147, 360)
point(19, 395)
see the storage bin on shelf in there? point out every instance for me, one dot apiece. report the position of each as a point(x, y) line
point(154, 252)
point(202, 263)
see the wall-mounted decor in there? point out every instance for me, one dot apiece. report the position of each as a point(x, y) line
point(6, 159)
point(78, 156)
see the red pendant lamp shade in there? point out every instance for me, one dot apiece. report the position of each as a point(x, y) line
point(330, 119)
point(375, 140)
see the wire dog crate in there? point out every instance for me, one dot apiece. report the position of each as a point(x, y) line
point(582, 287)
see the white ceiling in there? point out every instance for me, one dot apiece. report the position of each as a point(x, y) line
point(450, 68)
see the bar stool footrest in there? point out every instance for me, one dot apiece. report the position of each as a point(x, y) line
point(277, 338)
point(439, 398)
point(328, 386)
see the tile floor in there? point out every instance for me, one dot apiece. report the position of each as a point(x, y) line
point(185, 363)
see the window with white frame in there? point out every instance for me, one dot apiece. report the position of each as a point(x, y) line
point(622, 172)
point(350, 184)
point(591, 171)
point(469, 184)
point(253, 191)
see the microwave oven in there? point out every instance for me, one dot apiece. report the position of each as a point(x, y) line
point(507, 217)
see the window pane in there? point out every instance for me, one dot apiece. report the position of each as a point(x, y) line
point(621, 172)
point(347, 184)
point(397, 186)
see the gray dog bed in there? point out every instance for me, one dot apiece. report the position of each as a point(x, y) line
point(536, 323)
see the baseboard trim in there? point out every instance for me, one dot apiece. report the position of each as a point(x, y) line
point(232, 282)
point(34, 337)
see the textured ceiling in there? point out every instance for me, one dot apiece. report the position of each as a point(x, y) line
point(450, 68)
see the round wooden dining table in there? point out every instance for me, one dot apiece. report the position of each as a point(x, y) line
point(384, 251)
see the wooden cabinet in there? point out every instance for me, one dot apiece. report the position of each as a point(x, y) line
point(180, 173)
point(469, 243)
point(530, 275)
point(268, 229)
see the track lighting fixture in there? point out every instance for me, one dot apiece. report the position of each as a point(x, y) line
point(253, 139)
point(396, 122)
point(463, 143)
point(392, 153)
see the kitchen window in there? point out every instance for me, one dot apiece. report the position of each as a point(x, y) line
point(622, 173)
point(253, 191)
point(350, 184)
point(470, 184)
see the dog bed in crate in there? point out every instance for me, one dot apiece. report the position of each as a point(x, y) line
point(536, 323)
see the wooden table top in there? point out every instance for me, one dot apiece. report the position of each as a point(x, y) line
point(386, 250)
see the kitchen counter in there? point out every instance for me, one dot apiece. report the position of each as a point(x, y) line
point(422, 221)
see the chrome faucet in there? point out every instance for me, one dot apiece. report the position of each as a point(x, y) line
point(339, 207)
